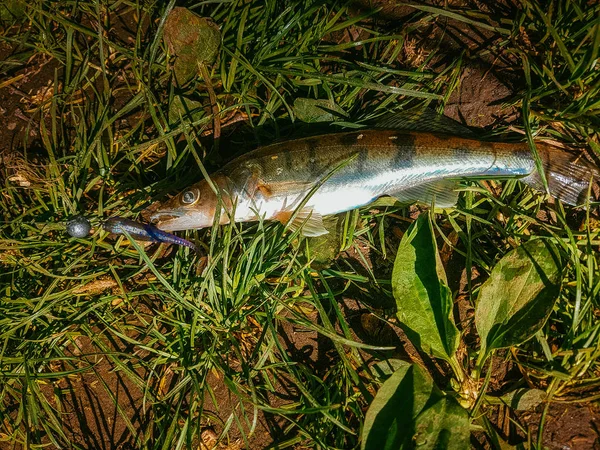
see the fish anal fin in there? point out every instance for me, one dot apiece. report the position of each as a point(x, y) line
point(441, 193)
point(307, 220)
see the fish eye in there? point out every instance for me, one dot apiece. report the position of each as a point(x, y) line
point(189, 197)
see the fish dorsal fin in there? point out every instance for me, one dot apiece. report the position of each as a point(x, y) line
point(426, 120)
point(307, 220)
point(442, 193)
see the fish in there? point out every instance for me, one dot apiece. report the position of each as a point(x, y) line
point(300, 181)
point(143, 232)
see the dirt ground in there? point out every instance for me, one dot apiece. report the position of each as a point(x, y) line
point(94, 422)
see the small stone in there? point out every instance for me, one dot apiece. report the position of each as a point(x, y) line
point(78, 227)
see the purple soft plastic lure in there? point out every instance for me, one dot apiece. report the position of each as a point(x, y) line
point(144, 232)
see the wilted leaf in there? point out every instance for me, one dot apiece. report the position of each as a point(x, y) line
point(410, 410)
point(423, 299)
point(95, 287)
point(515, 302)
point(311, 110)
point(193, 40)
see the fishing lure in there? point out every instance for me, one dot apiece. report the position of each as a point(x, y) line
point(143, 232)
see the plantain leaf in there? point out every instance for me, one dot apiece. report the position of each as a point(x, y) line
point(323, 250)
point(312, 110)
point(192, 40)
point(515, 302)
point(445, 424)
point(524, 399)
point(12, 10)
point(422, 296)
point(409, 410)
point(388, 367)
point(185, 107)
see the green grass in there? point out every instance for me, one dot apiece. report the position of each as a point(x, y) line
point(198, 339)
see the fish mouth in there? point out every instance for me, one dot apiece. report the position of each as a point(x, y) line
point(166, 220)
point(175, 220)
point(158, 217)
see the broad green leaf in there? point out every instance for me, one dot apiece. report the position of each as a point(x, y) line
point(12, 9)
point(192, 40)
point(182, 107)
point(312, 110)
point(389, 423)
point(388, 367)
point(422, 296)
point(443, 425)
point(323, 250)
point(409, 409)
point(515, 302)
point(523, 399)
point(382, 202)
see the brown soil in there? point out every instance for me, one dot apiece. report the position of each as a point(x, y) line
point(91, 416)
point(568, 426)
point(24, 87)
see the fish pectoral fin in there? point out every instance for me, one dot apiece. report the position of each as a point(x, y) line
point(424, 120)
point(307, 220)
point(254, 183)
point(441, 193)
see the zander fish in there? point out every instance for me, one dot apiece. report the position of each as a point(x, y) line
point(347, 170)
point(143, 232)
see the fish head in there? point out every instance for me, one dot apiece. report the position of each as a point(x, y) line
point(194, 207)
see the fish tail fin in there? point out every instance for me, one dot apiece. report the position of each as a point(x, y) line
point(568, 175)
